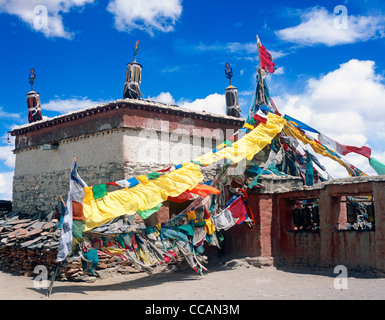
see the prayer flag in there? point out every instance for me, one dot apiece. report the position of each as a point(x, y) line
point(75, 197)
point(266, 59)
point(184, 196)
point(128, 183)
point(260, 116)
point(99, 191)
point(377, 166)
point(309, 170)
point(204, 190)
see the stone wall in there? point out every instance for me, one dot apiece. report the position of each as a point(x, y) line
point(116, 141)
point(42, 191)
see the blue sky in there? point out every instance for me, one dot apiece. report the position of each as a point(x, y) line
point(330, 66)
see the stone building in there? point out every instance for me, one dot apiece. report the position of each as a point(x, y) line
point(112, 141)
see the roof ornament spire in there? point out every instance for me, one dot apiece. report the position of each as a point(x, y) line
point(228, 71)
point(231, 95)
point(133, 77)
point(32, 77)
point(33, 100)
point(136, 49)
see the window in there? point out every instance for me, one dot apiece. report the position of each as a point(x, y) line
point(359, 213)
point(306, 215)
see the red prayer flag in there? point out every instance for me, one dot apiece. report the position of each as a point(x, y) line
point(266, 59)
point(260, 116)
point(204, 190)
point(344, 149)
point(364, 151)
point(184, 196)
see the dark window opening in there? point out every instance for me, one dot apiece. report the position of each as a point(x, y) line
point(306, 215)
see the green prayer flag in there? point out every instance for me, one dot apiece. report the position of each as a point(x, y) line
point(99, 191)
point(228, 143)
point(145, 214)
point(254, 183)
point(187, 229)
point(309, 170)
point(219, 236)
point(377, 166)
point(78, 227)
point(196, 162)
point(199, 224)
point(153, 175)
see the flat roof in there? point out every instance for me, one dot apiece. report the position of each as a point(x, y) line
point(125, 103)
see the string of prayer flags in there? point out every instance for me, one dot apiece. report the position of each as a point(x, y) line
point(248, 145)
point(300, 124)
point(344, 149)
point(128, 183)
point(328, 142)
point(293, 131)
point(141, 197)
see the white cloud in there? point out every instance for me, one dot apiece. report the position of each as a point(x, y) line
point(9, 115)
point(318, 27)
point(213, 103)
point(346, 104)
point(6, 180)
point(148, 15)
point(279, 70)
point(7, 156)
point(43, 15)
point(69, 105)
point(164, 97)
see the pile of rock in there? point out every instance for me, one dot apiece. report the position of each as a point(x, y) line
point(26, 242)
point(29, 241)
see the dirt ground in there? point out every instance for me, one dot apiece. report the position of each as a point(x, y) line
point(233, 280)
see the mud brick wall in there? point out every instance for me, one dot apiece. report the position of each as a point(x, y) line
point(273, 235)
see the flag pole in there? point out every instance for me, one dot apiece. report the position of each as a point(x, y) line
point(260, 71)
point(58, 264)
point(57, 270)
point(73, 162)
point(64, 204)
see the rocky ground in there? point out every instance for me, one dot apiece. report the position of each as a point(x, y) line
point(232, 280)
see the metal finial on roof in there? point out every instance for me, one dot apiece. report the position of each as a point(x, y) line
point(228, 71)
point(32, 77)
point(136, 49)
